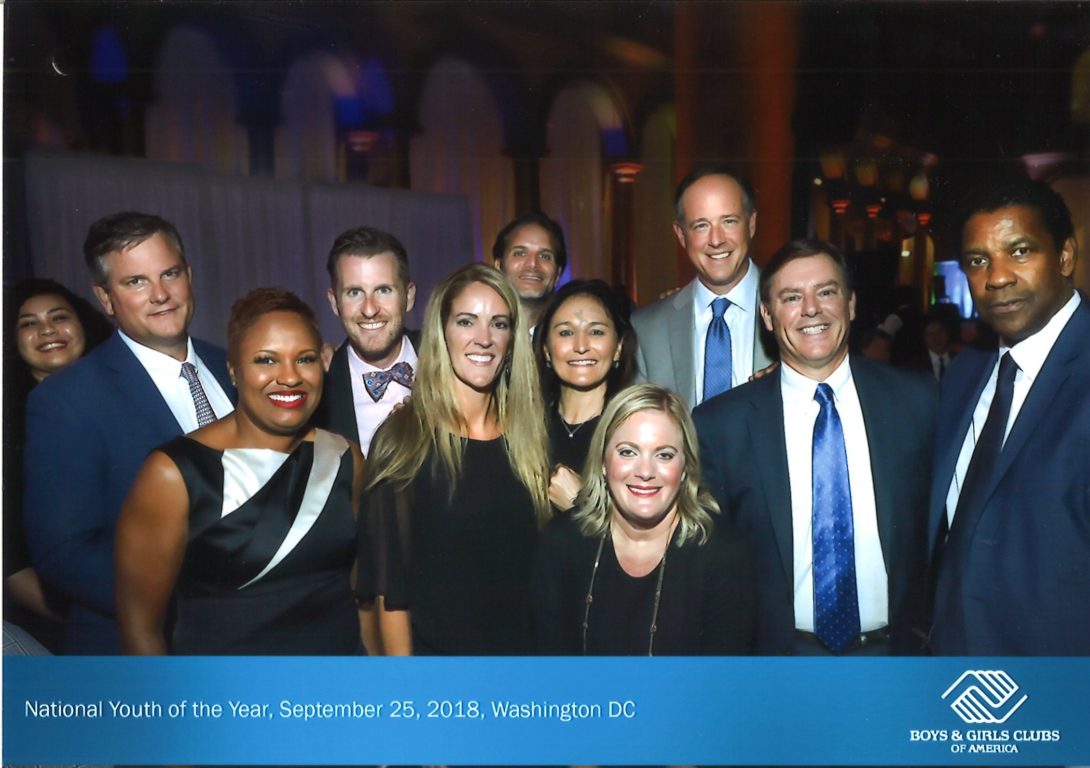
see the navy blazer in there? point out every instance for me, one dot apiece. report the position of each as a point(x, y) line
point(744, 457)
point(1024, 586)
point(337, 410)
point(89, 429)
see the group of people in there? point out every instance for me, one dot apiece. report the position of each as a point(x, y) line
point(535, 471)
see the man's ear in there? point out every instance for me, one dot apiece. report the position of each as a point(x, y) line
point(410, 297)
point(767, 316)
point(103, 297)
point(231, 375)
point(752, 225)
point(1069, 255)
point(332, 296)
point(680, 234)
point(851, 308)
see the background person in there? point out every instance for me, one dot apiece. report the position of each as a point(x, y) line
point(49, 328)
point(247, 524)
point(636, 570)
point(531, 252)
point(586, 353)
point(456, 482)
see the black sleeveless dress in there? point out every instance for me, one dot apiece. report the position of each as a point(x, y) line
point(270, 549)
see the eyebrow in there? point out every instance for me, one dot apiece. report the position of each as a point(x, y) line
point(49, 311)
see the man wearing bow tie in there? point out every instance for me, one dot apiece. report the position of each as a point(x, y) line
point(370, 292)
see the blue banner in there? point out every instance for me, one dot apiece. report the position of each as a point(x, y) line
point(850, 711)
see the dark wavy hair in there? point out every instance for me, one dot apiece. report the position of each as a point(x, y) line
point(556, 234)
point(96, 328)
point(619, 377)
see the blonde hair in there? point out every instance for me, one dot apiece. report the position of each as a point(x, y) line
point(433, 419)
point(594, 504)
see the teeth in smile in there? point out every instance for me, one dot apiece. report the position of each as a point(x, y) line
point(480, 358)
point(720, 256)
point(643, 491)
point(814, 329)
point(51, 346)
point(583, 362)
point(294, 398)
point(372, 326)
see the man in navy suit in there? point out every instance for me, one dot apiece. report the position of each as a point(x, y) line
point(373, 370)
point(1010, 505)
point(822, 463)
point(90, 426)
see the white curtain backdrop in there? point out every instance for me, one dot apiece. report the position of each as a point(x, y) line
point(239, 233)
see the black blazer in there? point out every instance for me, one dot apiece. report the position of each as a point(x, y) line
point(745, 465)
point(337, 411)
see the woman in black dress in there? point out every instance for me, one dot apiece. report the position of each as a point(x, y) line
point(586, 352)
point(248, 523)
point(637, 569)
point(456, 482)
point(48, 329)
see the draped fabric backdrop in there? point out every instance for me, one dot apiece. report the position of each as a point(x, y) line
point(239, 233)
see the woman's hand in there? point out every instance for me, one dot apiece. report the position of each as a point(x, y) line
point(564, 486)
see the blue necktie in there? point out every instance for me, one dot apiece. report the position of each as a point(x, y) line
point(205, 414)
point(836, 603)
point(717, 351)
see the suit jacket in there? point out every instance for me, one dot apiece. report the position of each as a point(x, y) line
point(744, 455)
point(665, 332)
point(89, 429)
point(1023, 585)
point(337, 410)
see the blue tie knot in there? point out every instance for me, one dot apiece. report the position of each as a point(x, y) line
point(719, 307)
point(824, 395)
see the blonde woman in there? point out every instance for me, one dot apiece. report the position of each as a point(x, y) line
point(457, 480)
point(643, 566)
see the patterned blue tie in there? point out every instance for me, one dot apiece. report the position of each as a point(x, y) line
point(205, 414)
point(836, 604)
point(717, 351)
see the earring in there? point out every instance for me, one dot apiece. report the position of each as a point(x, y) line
point(548, 363)
point(616, 363)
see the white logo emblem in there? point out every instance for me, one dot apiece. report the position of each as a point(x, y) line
point(984, 696)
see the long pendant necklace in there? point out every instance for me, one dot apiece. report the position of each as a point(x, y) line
point(658, 595)
point(569, 429)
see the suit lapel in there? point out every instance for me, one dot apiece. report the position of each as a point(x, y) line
point(136, 388)
point(883, 450)
point(765, 426)
point(1056, 370)
point(680, 334)
point(341, 407)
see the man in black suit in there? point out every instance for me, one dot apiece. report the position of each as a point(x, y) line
point(370, 291)
point(823, 464)
point(1012, 472)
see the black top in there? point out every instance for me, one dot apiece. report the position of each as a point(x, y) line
point(467, 581)
point(569, 444)
point(270, 549)
point(707, 606)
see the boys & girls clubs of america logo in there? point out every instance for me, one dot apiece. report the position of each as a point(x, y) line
point(984, 700)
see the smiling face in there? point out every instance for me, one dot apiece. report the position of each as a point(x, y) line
point(1018, 276)
point(371, 300)
point(48, 334)
point(478, 335)
point(644, 468)
point(147, 292)
point(716, 231)
point(810, 310)
point(529, 261)
point(582, 343)
point(278, 373)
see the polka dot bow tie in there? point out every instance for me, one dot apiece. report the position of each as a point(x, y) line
point(376, 382)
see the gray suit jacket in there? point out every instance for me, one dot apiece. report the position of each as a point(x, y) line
point(665, 350)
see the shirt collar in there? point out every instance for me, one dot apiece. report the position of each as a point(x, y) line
point(1030, 353)
point(158, 362)
point(359, 366)
point(743, 295)
point(797, 388)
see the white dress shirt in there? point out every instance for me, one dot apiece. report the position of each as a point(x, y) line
point(939, 364)
point(166, 374)
point(1030, 355)
point(369, 413)
point(800, 411)
point(740, 316)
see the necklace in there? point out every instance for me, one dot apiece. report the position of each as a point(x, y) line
point(658, 594)
point(571, 430)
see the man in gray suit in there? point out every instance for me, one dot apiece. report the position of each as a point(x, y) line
point(705, 338)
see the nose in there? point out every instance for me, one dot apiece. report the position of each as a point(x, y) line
point(159, 293)
point(47, 329)
point(645, 468)
point(810, 304)
point(999, 274)
point(716, 234)
point(370, 306)
point(482, 336)
point(288, 374)
point(581, 342)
